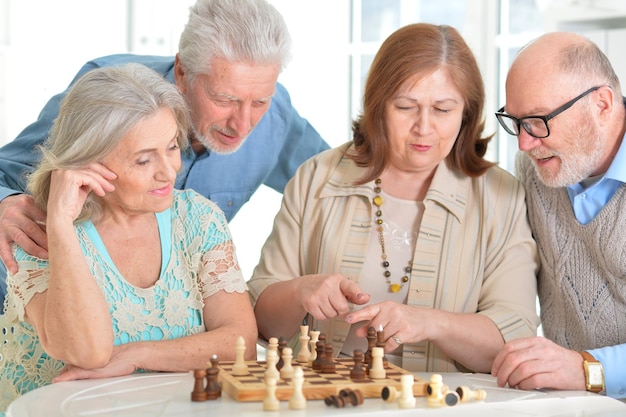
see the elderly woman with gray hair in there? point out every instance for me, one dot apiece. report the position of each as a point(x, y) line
point(140, 276)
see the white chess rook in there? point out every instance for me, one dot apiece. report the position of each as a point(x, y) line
point(377, 370)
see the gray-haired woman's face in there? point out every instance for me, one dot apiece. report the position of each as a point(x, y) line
point(146, 162)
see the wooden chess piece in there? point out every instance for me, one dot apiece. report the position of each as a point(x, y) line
point(389, 394)
point(270, 402)
point(435, 391)
point(282, 343)
point(380, 342)
point(271, 371)
point(327, 365)
point(335, 400)
point(466, 394)
point(297, 401)
point(377, 371)
point(351, 396)
point(198, 393)
point(406, 400)
point(314, 334)
point(213, 388)
point(286, 371)
point(304, 353)
point(319, 357)
point(357, 373)
point(214, 361)
point(371, 342)
point(240, 367)
point(451, 398)
point(272, 344)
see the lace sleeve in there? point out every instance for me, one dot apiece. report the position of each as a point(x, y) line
point(201, 224)
point(220, 271)
point(32, 278)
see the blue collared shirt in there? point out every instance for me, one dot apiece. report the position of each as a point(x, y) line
point(588, 200)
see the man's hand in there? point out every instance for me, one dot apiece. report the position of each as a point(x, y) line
point(537, 362)
point(23, 223)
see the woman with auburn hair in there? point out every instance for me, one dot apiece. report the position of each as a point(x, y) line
point(406, 227)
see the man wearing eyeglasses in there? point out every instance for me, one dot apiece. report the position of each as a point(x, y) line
point(564, 103)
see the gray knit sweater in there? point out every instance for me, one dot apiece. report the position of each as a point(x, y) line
point(582, 280)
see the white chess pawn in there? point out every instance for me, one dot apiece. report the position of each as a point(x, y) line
point(297, 400)
point(271, 403)
point(466, 394)
point(304, 353)
point(286, 371)
point(240, 367)
point(377, 370)
point(406, 400)
point(435, 391)
point(271, 371)
point(315, 334)
point(272, 344)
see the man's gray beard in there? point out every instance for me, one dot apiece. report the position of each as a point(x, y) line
point(577, 166)
point(211, 143)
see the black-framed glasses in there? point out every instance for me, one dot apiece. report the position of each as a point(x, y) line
point(536, 126)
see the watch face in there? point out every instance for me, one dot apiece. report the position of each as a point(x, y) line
point(595, 374)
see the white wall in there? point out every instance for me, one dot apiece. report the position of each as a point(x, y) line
point(43, 46)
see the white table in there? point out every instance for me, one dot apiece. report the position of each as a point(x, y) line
point(169, 394)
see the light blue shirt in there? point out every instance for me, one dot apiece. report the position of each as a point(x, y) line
point(588, 200)
point(280, 142)
point(613, 360)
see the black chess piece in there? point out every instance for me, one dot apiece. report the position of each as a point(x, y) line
point(371, 342)
point(319, 349)
point(282, 343)
point(327, 366)
point(357, 373)
point(213, 387)
point(198, 393)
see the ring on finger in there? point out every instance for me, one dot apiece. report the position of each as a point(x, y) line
point(396, 339)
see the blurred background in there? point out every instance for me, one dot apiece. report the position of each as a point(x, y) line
point(43, 43)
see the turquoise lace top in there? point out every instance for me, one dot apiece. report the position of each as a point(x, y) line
point(195, 240)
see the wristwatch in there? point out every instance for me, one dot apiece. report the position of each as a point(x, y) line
point(594, 374)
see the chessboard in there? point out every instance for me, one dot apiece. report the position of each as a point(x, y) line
point(317, 386)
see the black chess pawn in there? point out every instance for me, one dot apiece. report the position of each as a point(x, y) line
point(282, 343)
point(335, 400)
point(319, 349)
point(198, 393)
point(327, 365)
point(357, 373)
point(351, 396)
point(213, 387)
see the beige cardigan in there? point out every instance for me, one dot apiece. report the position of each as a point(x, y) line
point(474, 252)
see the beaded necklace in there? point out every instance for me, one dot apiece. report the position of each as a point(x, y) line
point(378, 202)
